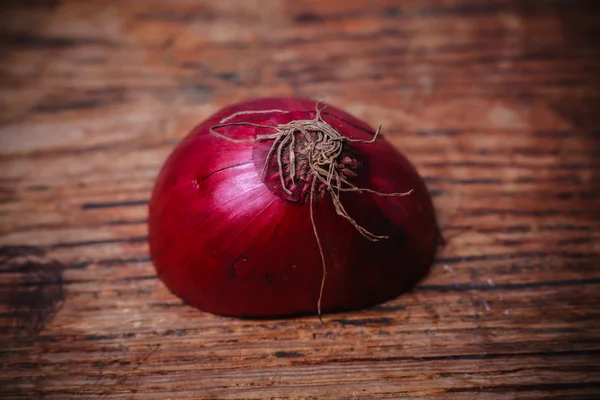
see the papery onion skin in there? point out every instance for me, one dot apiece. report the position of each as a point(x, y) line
point(225, 243)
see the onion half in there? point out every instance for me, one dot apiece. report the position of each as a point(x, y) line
point(261, 211)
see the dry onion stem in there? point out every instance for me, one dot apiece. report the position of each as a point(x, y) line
point(323, 150)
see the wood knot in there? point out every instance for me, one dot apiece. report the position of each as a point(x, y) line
point(36, 292)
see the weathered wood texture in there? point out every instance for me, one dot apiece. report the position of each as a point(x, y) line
point(496, 102)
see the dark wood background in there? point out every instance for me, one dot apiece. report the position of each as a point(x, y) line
point(496, 102)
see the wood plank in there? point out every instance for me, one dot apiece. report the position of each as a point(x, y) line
point(496, 104)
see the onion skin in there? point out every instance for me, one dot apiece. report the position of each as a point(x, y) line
point(226, 243)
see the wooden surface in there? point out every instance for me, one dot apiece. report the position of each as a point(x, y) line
point(496, 102)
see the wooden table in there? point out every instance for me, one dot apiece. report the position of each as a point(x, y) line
point(496, 102)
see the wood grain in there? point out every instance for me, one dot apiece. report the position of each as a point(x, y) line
point(495, 102)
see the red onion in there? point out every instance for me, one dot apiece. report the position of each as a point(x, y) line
point(283, 206)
